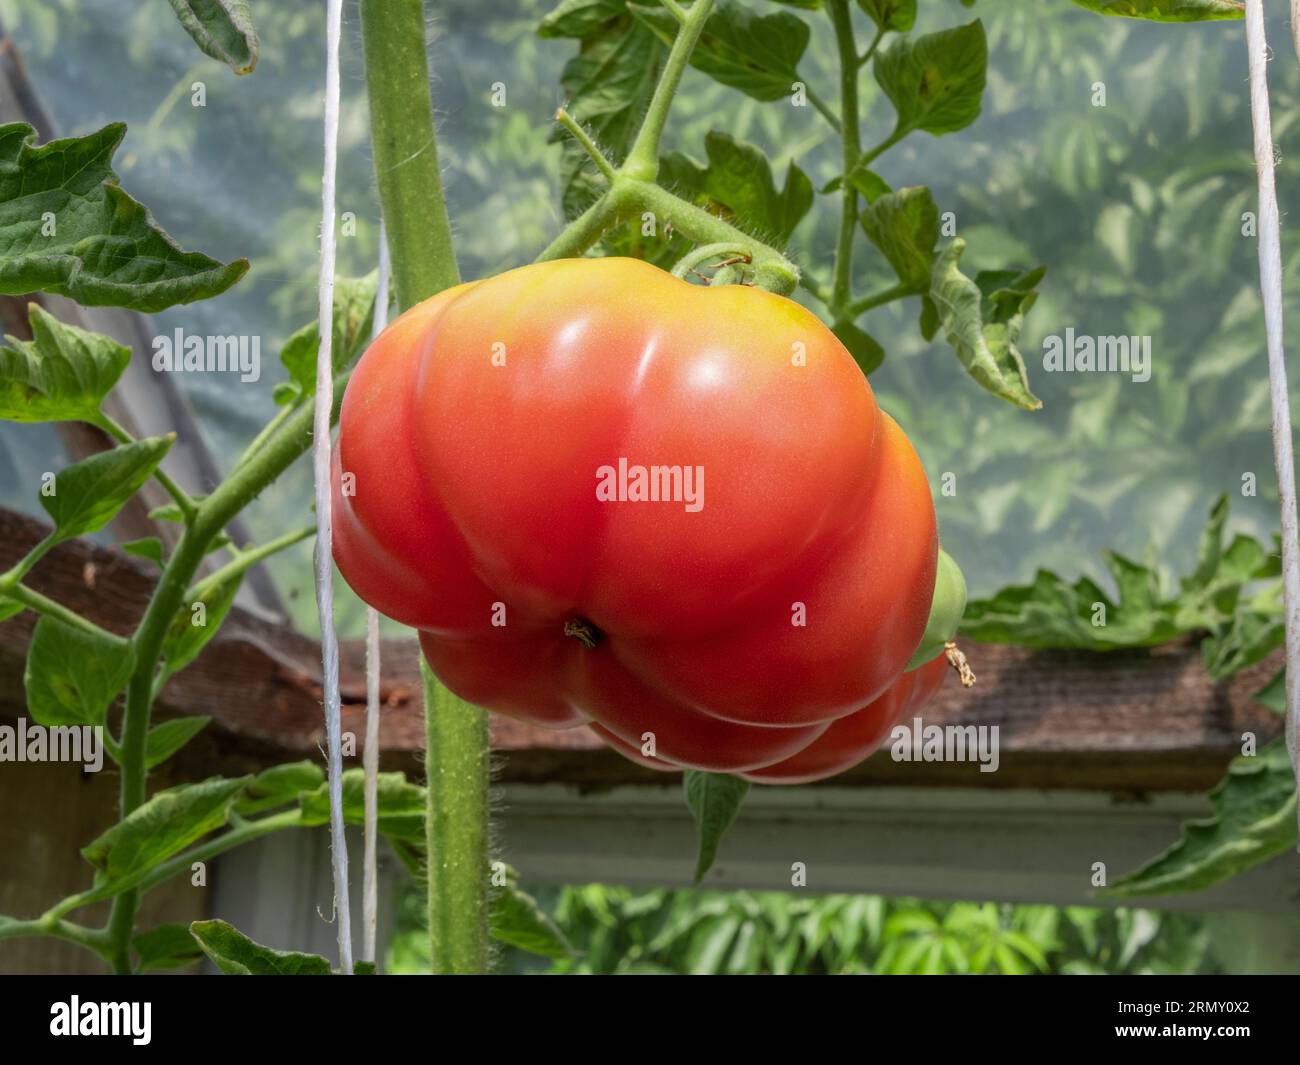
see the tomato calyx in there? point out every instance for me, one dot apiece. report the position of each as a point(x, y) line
point(584, 632)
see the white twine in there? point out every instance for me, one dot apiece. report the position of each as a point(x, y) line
point(320, 454)
point(1270, 281)
point(370, 753)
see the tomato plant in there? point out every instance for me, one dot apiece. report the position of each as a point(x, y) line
point(502, 444)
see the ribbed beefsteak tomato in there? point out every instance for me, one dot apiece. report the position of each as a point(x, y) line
point(604, 495)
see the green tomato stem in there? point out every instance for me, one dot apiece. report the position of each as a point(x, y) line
point(888, 295)
point(841, 292)
point(424, 264)
point(93, 939)
point(583, 232)
point(865, 57)
point(267, 431)
point(823, 108)
point(246, 559)
point(588, 145)
point(643, 159)
point(772, 270)
point(211, 516)
point(181, 497)
point(456, 768)
point(405, 150)
point(33, 600)
point(702, 254)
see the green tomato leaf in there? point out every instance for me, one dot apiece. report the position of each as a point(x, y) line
point(936, 81)
point(169, 946)
point(67, 227)
point(171, 512)
point(149, 547)
point(608, 84)
point(62, 374)
point(192, 627)
point(400, 804)
point(738, 177)
point(864, 348)
point(714, 800)
point(1273, 694)
point(757, 54)
point(1167, 10)
point(236, 955)
point(163, 826)
point(10, 608)
point(904, 225)
point(580, 18)
point(86, 496)
point(516, 919)
point(166, 739)
point(71, 676)
point(1250, 637)
point(1050, 613)
point(897, 16)
point(223, 29)
point(869, 183)
point(354, 311)
point(279, 785)
point(983, 328)
point(1254, 819)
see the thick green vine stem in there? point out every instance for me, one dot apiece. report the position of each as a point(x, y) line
point(643, 159)
point(848, 56)
point(457, 772)
point(632, 191)
point(424, 263)
point(405, 149)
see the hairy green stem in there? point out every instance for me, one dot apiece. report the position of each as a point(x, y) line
point(882, 147)
point(23, 566)
point(248, 558)
point(405, 149)
point(823, 108)
point(147, 880)
point(181, 497)
point(44, 605)
point(423, 264)
point(92, 939)
point(888, 295)
point(583, 232)
point(629, 197)
point(703, 253)
point(772, 270)
point(212, 515)
point(643, 158)
point(588, 145)
point(865, 57)
point(841, 291)
point(267, 431)
point(456, 765)
point(236, 837)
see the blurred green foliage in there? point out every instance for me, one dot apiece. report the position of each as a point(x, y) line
point(620, 931)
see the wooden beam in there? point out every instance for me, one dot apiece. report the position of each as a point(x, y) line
point(1128, 722)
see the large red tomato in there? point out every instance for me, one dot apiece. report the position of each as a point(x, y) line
point(605, 495)
point(853, 738)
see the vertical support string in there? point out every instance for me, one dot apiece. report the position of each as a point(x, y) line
point(1270, 282)
point(320, 453)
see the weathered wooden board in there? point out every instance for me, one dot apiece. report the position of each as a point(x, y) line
point(1130, 721)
